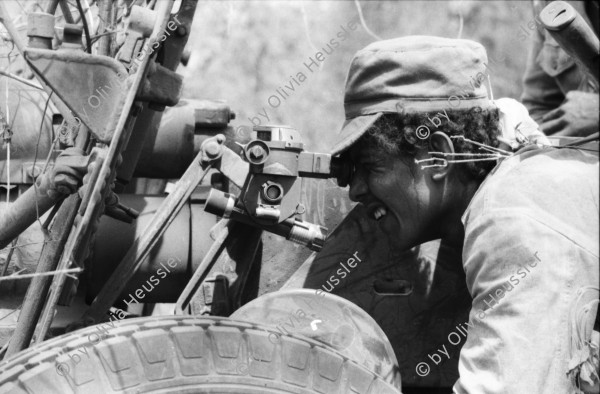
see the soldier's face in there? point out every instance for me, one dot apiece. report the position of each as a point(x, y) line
point(397, 194)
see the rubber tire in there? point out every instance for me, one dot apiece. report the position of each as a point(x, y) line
point(184, 354)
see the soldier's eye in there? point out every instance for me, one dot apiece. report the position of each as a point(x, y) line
point(372, 166)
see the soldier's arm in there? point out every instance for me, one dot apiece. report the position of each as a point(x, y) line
point(541, 92)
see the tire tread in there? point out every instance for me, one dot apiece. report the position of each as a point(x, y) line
point(157, 353)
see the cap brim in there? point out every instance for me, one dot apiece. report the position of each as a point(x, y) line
point(352, 130)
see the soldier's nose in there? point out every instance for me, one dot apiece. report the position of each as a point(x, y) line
point(358, 187)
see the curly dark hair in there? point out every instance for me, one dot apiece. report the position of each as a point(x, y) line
point(396, 134)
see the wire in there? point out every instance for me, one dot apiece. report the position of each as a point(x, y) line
point(22, 9)
point(482, 146)
point(230, 18)
point(52, 214)
point(8, 173)
point(8, 143)
point(444, 162)
point(306, 28)
point(41, 128)
point(460, 19)
point(467, 154)
point(8, 257)
point(10, 55)
point(584, 140)
point(106, 33)
point(22, 80)
point(30, 243)
point(4, 317)
point(362, 21)
point(50, 151)
point(37, 210)
point(576, 148)
point(36, 274)
point(86, 30)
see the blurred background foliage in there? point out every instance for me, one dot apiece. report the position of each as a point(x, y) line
point(242, 51)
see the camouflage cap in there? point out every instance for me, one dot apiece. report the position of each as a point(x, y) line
point(411, 74)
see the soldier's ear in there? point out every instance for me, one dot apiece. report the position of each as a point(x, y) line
point(440, 145)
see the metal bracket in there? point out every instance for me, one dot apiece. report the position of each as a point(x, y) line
point(225, 160)
point(161, 86)
point(90, 85)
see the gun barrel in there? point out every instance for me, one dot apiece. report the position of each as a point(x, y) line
point(573, 34)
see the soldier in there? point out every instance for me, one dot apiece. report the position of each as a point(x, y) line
point(557, 93)
point(433, 159)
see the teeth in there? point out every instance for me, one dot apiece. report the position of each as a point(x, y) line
point(379, 213)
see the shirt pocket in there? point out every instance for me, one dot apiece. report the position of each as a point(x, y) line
point(553, 59)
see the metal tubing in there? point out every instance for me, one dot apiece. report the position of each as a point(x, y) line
point(86, 30)
point(51, 253)
point(8, 258)
point(146, 129)
point(121, 124)
point(51, 8)
point(222, 232)
point(142, 246)
point(574, 35)
point(105, 14)
point(32, 204)
point(25, 210)
point(39, 286)
point(64, 7)
point(147, 124)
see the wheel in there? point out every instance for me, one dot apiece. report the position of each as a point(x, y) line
point(184, 354)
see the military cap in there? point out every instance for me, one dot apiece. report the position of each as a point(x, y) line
point(412, 74)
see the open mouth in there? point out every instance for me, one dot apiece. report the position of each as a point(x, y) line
point(377, 211)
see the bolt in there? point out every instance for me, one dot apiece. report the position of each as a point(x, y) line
point(212, 149)
point(256, 152)
point(74, 29)
point(33, 172)
point(63, 189)
point(65, 184)
point(181, 31)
